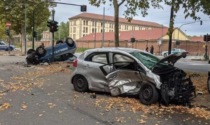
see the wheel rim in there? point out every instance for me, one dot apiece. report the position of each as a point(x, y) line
point(80, 83)
point(41, 51)
point(147, 93)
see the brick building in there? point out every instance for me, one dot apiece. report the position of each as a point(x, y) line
point(87, 23)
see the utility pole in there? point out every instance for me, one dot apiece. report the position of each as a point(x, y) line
point(25, 31)
point(102, 45)
point(171, 28)
point(95, 35)
point(53, 13)
point(59, 34)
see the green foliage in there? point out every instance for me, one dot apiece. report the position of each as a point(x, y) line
point(81, 50)
point(64, 31)
point(14, 11)
point(3, 35)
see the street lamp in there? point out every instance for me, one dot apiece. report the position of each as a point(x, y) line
point(201, 22)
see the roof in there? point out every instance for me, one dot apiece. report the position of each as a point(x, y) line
point(197, 39)
point(126, 35)
point(111, 18)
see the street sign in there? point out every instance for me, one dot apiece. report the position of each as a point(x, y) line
point(8, 24)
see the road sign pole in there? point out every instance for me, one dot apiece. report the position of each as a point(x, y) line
point(9, 41)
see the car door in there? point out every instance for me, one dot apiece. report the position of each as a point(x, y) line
point(125, 77)
point(95, 76)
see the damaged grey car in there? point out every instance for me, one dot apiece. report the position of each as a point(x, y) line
point(131, 71)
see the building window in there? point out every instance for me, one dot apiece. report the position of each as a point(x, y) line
point(86, 30)
point(83, 35)
point(83, 22)
point(74, 29)
point(101, 23)
point(93, 23)
point(140, 28)
point(83, 29)
point(95, 29)
point(75, 22)
point(101, 30)
point(86, 22)
point(74, 36)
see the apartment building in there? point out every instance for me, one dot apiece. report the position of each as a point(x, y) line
point(87, 23)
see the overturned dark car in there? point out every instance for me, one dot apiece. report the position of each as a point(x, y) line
point(62, 51)
point(131, 71)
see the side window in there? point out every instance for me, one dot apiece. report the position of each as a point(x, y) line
point(97, 58)
point(124, 62)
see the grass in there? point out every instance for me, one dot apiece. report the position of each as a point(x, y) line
point(79, 50)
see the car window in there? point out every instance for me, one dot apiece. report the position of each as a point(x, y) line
point(122, 58)
point(124, 62)
point(97, 58)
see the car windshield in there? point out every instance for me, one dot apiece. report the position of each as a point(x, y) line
point(147, 59)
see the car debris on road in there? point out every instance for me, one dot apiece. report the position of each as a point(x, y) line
point(131, 71)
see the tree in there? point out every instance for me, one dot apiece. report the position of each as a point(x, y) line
point(191, 8)
point(3, 35)
point(14, 11)
point(131, 7)
point(63, 30)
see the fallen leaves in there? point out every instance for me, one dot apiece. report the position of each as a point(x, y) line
point(51, 105)
point(40, 115)
point(141, 121)
point(23, 107)
point(4, 106)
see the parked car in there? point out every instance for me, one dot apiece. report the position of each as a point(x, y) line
point(173, 51)
point(62, 52)
point(131, 71)
point(4, 46)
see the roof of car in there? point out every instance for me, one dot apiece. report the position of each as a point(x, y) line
point(113, 49)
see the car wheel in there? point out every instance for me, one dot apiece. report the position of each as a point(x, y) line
point(30, 51)
point(208, 85)
point(80, 83)
point(40, 51)
point(165, 54)
point(59, 42)
point(148, 94)
point(70, 42)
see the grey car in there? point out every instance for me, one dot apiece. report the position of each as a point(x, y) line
point(131, 71)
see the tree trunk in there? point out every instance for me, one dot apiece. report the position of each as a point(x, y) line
point(116, 21)
point(22, 40)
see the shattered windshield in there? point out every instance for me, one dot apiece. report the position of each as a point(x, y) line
point(147, 59)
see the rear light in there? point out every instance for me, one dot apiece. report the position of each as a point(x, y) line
point(75, 63)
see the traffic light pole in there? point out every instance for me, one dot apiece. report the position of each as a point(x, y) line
point(53, 13)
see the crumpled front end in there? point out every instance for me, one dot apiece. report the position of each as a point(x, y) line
point(176, 88)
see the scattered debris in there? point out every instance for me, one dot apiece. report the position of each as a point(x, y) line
point(93, 96)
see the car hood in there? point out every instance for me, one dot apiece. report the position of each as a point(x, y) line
point(172, 59)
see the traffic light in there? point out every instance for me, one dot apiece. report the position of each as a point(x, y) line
point(53, 26)
point(206, 38)
point(7, 32)
point(83, 8)
point(35, 34)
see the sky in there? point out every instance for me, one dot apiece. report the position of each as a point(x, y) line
point(160, 16)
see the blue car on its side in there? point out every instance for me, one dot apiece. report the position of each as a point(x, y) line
point(62, 52)
point(4, 46)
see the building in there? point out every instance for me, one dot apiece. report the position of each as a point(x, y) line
point(87, 23)
point(153, 34)
point(46, 36)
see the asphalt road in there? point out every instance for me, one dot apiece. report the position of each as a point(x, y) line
point(185, 64)
point(43, 95)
